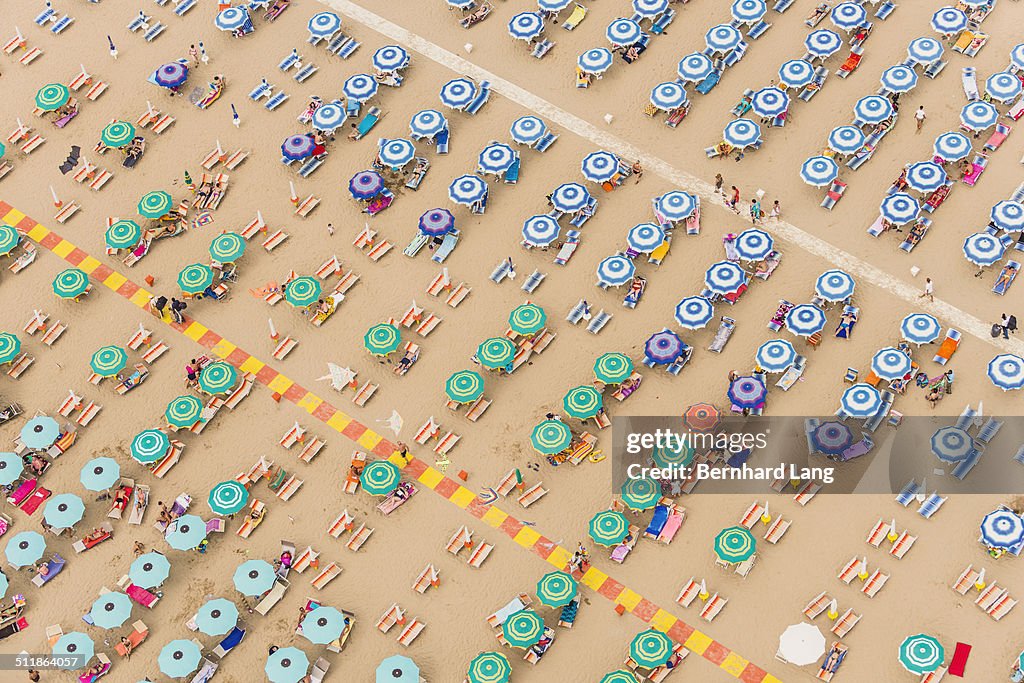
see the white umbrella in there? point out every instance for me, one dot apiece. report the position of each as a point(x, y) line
point(394, 423)
point(801, 644)
point(338, 376)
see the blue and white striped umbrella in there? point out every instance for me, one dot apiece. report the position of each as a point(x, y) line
point(952, 146)
point(1003, 86)
point(834, 285)
point(668, 95)
point(570, 197)
point(694, 312)
point(360, 87)
point(540, 231)
point(872, 109)
point(805, 320)
point(396, 153)
point(819, 171)
point(329, 117)
point(675, 205)
point(527, 130)
point(722, 38)
point(983, 249)
point(951, 444)
point(496, 158)
point(595, 60)
point(769, 102)
point(1017, 56)
point(1008, 215)
point(663, 347)
point(747, 392)
point(622, 32)
point(1002, 529)
point(467, 190)
point(526, 26)
point(925, 176)
point(796, 73)
point(748, 11)
point(649, 9)
point(324, 24)
point(924, 50)
point(298, 147)
point(741, 133)
point(695, 67)
point(949, 20)
point(920, 328)
point(979, 115)
point(900, 208)
point(724, 277)
point(846, 139)
point(645, 237)
point(832, 437)
point(1007, 371)
point(436, 222)
point(427, 123)
point(753, 244)
point(899, 78)
point(457, 93)
point(390, 58)
point(599, 167)
point(461, 4)
point(861, 400)
point(615, 271)
point(231, 19)
point(775, 355)
point(890, 364)
point(822, 43)
point(849, 15)
point(553, 5)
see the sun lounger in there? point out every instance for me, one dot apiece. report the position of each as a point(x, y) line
point(878, 533)
point(427, 578)
point(969, 80)
point(997, 138)
point(849, 570)
point(874, 583)
point(989, 595)
point(579, 12)
point(777, 530)
point(907, 493)
point(54, 566)
point(411, 632)
point(1001, 607)
point(713, 607)
point(845, 623)
point(462, 538)
point(272, 597)
point(752, 515)
point(532, 495)
point(978, 165)
point(688, 593)
point(326, 575)
point(136, 637)
point(392, 501)
point(364, 393)
point(393, 615)
point(366, 124)
point(949, 346)
point(902, 545)
point(253, 518)
point(230, 641)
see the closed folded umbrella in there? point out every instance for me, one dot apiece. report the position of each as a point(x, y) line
point(650, 648)
point(550, 437)
point(186, 532)
point(254, 577)
point(184, 411)
point(640, 494)
point(819, 171)
point(194, 278)
point(70, 283)
point(695, 67)
point(227, 247)
point(100, 474)
point(900, 208)
point(179, 658)
point(1007, 371)
point(228, 497)
point(735, 544)
point(540, 230)
point(753, 244)
point(457, 93)
point(622, 32)
point(952, 146)
point(595, 61)
point(570, 197)
point(149, 570)
point(108, 361)
point(608, 527)
point(155, 204)
point(613, 368)
point(891, 364)
point(741, 133)
point(427, 123)
point(149, 446)
point(983, 249)
point(467, 190)
point(360, 87)
point(287, 665)
point(822, 43)
point(382, 339)
point(834, 285)
point(489, 667)
point(675, 205)
point(25, 548)
point(123, 234)
point(694, 312)
point(724, 277)
point(216, 617)
point(380, 477)
point(722, 38)
point(527, 130)
point(390, 58)
point(39, 433)
point(464, 386)
point(600, 167)
point(615, 271)
point(861, 400)
point(111, 610)
point(920, 328)
point(496, 352)
point(75, 644)
point(64, 511)
point(775, 355)
point(583, 402)
point(556, 589)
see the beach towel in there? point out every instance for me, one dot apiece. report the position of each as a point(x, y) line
point(959, 662)
point(675, 520)
point(620, 552)
point(658, 521)
point(141, 595)
point(35, 500)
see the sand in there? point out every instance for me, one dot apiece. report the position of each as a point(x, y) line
point(824, 535)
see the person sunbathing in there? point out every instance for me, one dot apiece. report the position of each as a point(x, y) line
point(744, 106)
point(723, 148)
point(37, 464)
point(916, 233)
point(120, 498)
point(95, 535)
point(1006, 277)
point(43, 569)
point(275, 11)
point(818, 12)
point(127, 645)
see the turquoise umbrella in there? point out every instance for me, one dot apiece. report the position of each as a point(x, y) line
point(227, 247)
point(111, 610)
point(52, 96)
point(921, 654)
point(641, 494)
point(254, 577)
point(735, 544)
point(123, 234)
point(108, 361)
point(613, 368)
point(324, 625)
point(489, 667)
point(70, 283)
point(25, 548)
point(150, 445)
point(380, 477)
point(155, 204)
point(464, 386)
point(64, 511)
point(398, 669)
point(619, 676)
point(149, 570)
point(117, 134)
point(194, 278)
point(186, 532)
point(10, 346)
point(527, 319)
point(287, 665)
point(551, 436)
point(179, 658)
point(650, 648)
point(184, 411)
point(100, 474)
point(228, 497)
point(40, 432)
point(216, 617)
point(609, 527)
point(218, 378)
point(11, 467)
point(678, 455)
point(556, 589)
point(496, 352)
point(9, 238)
point(382, 339)
point(4, 585)
point(523, 628)
point(77, 646)
point(303, 291)
point(582, 402)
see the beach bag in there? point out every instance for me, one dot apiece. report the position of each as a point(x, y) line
point(997, 330)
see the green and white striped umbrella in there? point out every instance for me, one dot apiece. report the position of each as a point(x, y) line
point(9, 239)
point(556, 589)
point(228, 497)
point(117, 134)
point(382, 339)
point(619, 676)
point(149, 446)
point(613, 368)
point(70, 283)
point(489, 667)
point(52, 96)
point(183, 411)
point(583, 402)
point(380, 477)
point(108, 361)
point(195, 278)
point(551, 436)
point(641, 494)
point(680, 454)
point(523, 628)
point(608, 527)
point(464, 386)
point(921, 654)
point(496, 352)
point(735, 544)
point(10, 347)
point(218, 378)
point(303, 291)
point(123, 234)
point(650, 648)
point(527, 319)
point(227, 247)
point(155, 204)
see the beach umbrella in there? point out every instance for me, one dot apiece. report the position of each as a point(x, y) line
point(819, 171)
point(437, 222)
point(664, 347)
point(149, 570)
point(1007, 371)
point(70, 283)
point(186, 532)
point(117, 134)
point(668, 96)
point(724, 277)
point(550, 437)
point(775, 355)
point(649, 9)
point(650, 648)
point(123, 234)
point(925, 176)
point(382, 339)
point(861, 400)
point(570, 197)
point(323, 24)
point(11, 467)
point(891, 364)
point(924, 50)
point(849, 15)
point(979, 115)
point(679, 454)
point(583, 402)
point(769, 102)
point(796, 73)
point(64, 511)
point(822, 43)
point(390, 58)
point(722, 38)
point(365, 185)
point(735, 544)
point(360, 87)
point(526, 26)
point(695, 67)
point(300, 292)
point(464, 386)
point(1017, 60)
point(1008, 215)
point(398, 669)
point(3, 149)
point(802, 644)
point(846, 139)
point(184, 411)
point(427, 123)
point(108, 361)
point(747, 392)
point(254, 577)
point(155, 204)
point(527, 130)
point(298, 147)
point(694, 312)
point(596, 60)
point(1002, 529)
point(457, 93)
point(227, 247)
point(228, 497)
point(834, 285)
point(613, 368)
point(10, 346)
point(461, 4)
point(805, 320)
point(921, 654)
point(741, 133)
point(608, 527)
point(496, 158)
point(100, 474)
point(496, 352)
point(753, 244)
point(380, 477)
point(149, 446)
point(675, 205)
point(920, 328)
point(329, 117)
point(748, 11)
point(396, 153)
point(614, 271)
point(75, 644)
point(952, 146)
point(4, 585)
point(832, 437)
point(618, 676)
point(232, 18)
point(216, 617)
point(194, 278)
point(900, 208)
point(171, 75)
point(622, 32)
point(52, 96)
point(640, 494)
point(39, 433)
point(111, 610)
point(1003, 86)
point(523, 628)
point(467, 190)
point(645, 237)
point(553, 5)
point(540, 231)
point(10, 237)
point(949, 20)
point(599, 167)
point(872, 109)
point(898, 78)
point(179, 658)
point(527, 319)
point(489, 667)
point(25, 548)
point(983, 249)
point(287, 665)
point(556, 589)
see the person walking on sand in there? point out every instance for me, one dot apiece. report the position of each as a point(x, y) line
point(638, 170)
point(776, 211)
point(734, 202)
point(755, 211)
point(920, 116)
point(719, 181)
point(929, 290)
point(194, 54)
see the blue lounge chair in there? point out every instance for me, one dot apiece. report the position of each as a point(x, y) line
point(291, 60)
point(708, 84)
point(512, 174)
point(658, 521)
point(347, 48)
point(55, 565)
point(45, 17)
point(448, 245)
point(782, 5)
point(276, 101)
point(230, 642)
point(311, 165)
point(305, 72)
point(885, 10)
point(138, 22)
point(931, 505)
point(663, 21)
point(352, 108)
point(907, 493)
point(482, 95)
point(62, 24)
point(369, 120)
point(154, 31)
point(184, 6)
point(263, 89)
point(545, 142)
point(442, 141)
point(584, 214)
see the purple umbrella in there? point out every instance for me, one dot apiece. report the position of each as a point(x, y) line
point(297, 147)
point(747, 392)
point(663, 347)
point(365, 185)
point(171, 75)
point(832, 438)
point(437, 222)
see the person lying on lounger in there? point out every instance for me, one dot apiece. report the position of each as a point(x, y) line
point(723, 148)
point(1006, 277)
point(216, 88)
point(818, 12)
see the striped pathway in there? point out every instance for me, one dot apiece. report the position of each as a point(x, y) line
point(523, 535)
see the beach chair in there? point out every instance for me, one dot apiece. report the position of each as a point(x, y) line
point(55, 565)
point(688, 593)
point(272, 597)
point(845, 623)
point(231, 640)
point(902, 545)
point(989, 595)
point(877, 533)
point(834, 194)
point(948, 347)
point(978, 166)
point(479, 554)
point(462, 538)
point(138, 635)
point(752, 515)
point(411, 632)
point(598, 322)
point(427, 578)
point(713, 607)
point(568, 248)
point(988, 431)
point(393, 615)
point(532, 495)
point(447, 246)
point(579, 12)
point(253, 518)
point(777, 530)
point(969, 80)
point(725, 329)
point(477, 409)
point(815, 17)
point(849, 570)
point(359, 537)
point(1002, 606)
point(874, 583)
point(806, 493)
point(326, 575)
point(997, 138)
point(545, 142)
point(458, 294)
point(364, 393)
